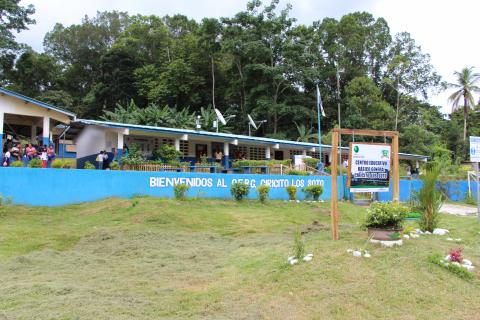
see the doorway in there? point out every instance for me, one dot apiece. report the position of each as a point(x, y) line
point(278, 155)
point(200, 150)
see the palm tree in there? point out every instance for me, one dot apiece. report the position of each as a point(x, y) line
point(304, 134)
point(466, 84)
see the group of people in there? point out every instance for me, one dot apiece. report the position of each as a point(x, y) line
point(13, 151)
point(103, 160)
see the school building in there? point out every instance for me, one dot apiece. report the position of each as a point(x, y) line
point(41, 123)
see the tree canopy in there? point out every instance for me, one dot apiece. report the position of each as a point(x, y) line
point(166, 70)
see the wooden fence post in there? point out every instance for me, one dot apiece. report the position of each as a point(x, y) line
point(334, 196)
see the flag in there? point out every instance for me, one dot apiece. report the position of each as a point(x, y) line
point(319, 102)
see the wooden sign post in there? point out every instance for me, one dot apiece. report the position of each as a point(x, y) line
point(336, 136)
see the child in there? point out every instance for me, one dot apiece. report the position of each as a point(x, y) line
point(6, 159)
point(44, 156)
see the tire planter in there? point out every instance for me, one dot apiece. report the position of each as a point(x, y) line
point(383, 234)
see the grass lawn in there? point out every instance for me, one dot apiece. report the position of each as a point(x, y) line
point(150, 258)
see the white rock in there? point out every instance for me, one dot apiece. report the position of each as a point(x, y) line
point(458, 239)
point(418, 231)
point(290, 258)
point(357, 254)
point(349, 250)
point(456, 263)
point(367, 255)
point(406, 236)
point(469, 268)
point(447, 258)
point(467, 262)
point(293, 261)
point(449, 239)
point(414, 236)
point(298, 201)
point(427, 232)
point(309, 255)
point(440, 231)
point(307, 258)
point(390, 244)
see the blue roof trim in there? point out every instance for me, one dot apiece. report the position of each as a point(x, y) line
point(36, 102)
point(218, 135)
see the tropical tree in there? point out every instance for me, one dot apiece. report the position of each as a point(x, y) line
point(466, 85)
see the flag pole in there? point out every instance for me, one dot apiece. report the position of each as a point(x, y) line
point(319, 101)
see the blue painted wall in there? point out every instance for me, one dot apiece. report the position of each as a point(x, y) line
point(53, 187)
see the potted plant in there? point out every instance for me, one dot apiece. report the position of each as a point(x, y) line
point(385, 220)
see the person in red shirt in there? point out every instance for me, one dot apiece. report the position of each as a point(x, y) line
point(30, 151)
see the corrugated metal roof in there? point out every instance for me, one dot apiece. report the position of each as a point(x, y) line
point(224, 136)
point(36, 102)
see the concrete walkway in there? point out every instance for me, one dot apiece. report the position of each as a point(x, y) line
point(457, 209)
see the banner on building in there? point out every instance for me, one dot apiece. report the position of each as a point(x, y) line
point(369, 167)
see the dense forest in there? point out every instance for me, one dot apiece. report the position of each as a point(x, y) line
point(167, 70)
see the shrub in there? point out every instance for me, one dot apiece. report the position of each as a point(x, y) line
point(88, 165)
point(298, 173)
point(429, 200)
point(470, 200)
point(114, 165)
point(263, 191)
point(16, 164)
point(180, 191)
point(60, 164)
point(311, 162)
point(292, 192)
point(35, 163)
point(135, 155)
point(250, 163)
point(314, 191)
point(239, 190)
point(298, 246)
point(167, 153)
point(386, 215)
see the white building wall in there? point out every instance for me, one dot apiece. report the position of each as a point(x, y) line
point(91, 140)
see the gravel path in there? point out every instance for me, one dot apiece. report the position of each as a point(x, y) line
point(460, 210)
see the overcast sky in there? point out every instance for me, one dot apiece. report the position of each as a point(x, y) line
point(443, 28)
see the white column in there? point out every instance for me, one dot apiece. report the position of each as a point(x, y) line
point(2, 117)
point(33, 132)
point(120, 141)
point(226, 149)
point(46, 130)
point(267, 153)
point(304, 152)
point(177, 144)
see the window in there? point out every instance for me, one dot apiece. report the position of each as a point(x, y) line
point(257, 153)
point(167, 141)
point(295, 152)
point(238, 151)
point(184, 148)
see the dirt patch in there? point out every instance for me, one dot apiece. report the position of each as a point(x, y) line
point(315, 226)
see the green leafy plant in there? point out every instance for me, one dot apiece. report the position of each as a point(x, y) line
point(453, 268)
point(180, 191)
point(167, 153)
point(88, 165)
point(311, 162)
point(314, 191)
point(35, 163)
point(263, 191)
point(16, 164)
point(253, 163)
point(292, 192)
point(470, 200)
point(60, 164)
point(204, 159)
point(429, 199)
point(298, 245)
point(298, 173)
point(114, 165)
point(386, 215)
point(134, 156)
point(239, 190)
